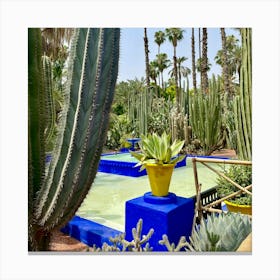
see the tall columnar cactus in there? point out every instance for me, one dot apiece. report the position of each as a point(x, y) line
point(48, 95)
point(206, 118)
point(242, 104)
point(92, 73)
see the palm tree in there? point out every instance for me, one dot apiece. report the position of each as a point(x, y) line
point(54, 39)
point(154, 71)
point(193, 62)
point(180, 60)
point(204, 62)
point(159, 39)
point(198, 65)
point(174, 35)
point(233, 51)
point(146, 46)
point(162, 63)
point(199, 53)
point(225, 63)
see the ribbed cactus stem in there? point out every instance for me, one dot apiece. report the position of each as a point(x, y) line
point(91, 83)
point(205, 118)
point(49, 101)
point(36, 111)
point(242, 102)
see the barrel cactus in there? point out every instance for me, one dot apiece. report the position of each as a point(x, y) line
point(56, 192)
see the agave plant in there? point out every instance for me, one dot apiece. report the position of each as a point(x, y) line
point(158, 150)
point(217, 233)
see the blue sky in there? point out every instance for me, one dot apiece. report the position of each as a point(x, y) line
point(132, 57)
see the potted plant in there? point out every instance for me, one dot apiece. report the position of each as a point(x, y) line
point(159, 156)
point(242, 175)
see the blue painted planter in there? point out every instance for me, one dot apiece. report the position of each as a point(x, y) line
point(171, 215)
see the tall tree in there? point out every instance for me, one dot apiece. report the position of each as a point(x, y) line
point(180, 60)
point(199, 53)
point(225, 72)
point(174, 35)
point(233, 52)
point(154, 71)
point(193, 62)
point(204, 62)
point(54, 39)
point(163, 63)
point(159, 39)
point(146, 46)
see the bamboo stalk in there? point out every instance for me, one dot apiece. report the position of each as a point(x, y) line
point(226, 197)
point(198, 192)
point(212, 210)
point(227, 178)
point(224, 161)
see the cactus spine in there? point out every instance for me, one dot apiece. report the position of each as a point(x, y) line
point(242, 104)
point(92, 74)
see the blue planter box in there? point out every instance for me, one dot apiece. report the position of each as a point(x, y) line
point(171, 215)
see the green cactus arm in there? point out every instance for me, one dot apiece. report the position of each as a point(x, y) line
point(91, 83)
point(36, 116)
point(49, 101)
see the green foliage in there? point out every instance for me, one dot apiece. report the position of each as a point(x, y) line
point(158, 149)
point(119, 129)
point(55, 196)
point(233, 55)
point(219, 233)
point(242, 175)
point(206, 120)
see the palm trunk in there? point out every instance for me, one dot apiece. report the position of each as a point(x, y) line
point(193, 62)
point(199, 55)
point(176, 78)
point(147, 58)
point(225, 63)
point(204, 62)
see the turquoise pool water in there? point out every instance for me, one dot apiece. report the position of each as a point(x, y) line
point(127, 157)
point(105, 202)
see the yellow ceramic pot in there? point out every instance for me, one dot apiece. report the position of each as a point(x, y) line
point(243, 209)
point(159, 177)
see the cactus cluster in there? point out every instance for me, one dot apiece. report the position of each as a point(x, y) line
point(206, 118)
point(54, 197)
point(242, 103)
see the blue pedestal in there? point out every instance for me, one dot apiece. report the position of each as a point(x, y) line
point(171, 215)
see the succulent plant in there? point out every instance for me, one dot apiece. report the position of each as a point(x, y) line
point(158, 149)
point(55, 196)
point(223, 232)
